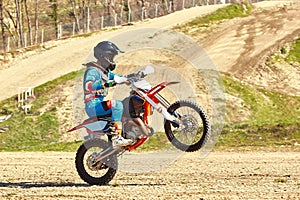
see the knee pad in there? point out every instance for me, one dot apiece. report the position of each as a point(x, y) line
point(117, 110)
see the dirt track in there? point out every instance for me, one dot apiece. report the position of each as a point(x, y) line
point(226, 175)
point(242, 46)
point(241, 42)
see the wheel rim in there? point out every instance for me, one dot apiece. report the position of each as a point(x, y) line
point(94, 169)
point(191, 128)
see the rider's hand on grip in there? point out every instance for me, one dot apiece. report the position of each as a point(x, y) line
point(110, 84)
point(141, 74)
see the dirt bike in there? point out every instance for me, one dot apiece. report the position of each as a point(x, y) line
point(186, 126)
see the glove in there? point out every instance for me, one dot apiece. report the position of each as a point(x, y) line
point(110, 84)
point(141, 74)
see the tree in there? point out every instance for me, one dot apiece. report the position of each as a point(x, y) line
point(84, 18)
point(28, 21)
point(54, 15)
point(13, 29)
point(36, 20)
point(88, 16)
point(75, 15)
point(108, 12)
point(126, 9)
point(19, 22)
point(2, 26)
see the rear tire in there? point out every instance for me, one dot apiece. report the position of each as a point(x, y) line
point(195, 120)
point(109, 166)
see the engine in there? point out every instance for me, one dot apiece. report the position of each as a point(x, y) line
point(131, 131)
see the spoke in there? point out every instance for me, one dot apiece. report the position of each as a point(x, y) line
point(192, 126)
point(94, 172)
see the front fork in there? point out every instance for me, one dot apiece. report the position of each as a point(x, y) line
point(160, 109)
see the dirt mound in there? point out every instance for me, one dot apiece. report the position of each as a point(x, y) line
point(241, 47)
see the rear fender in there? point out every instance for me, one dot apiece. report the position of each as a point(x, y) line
point(95, 124)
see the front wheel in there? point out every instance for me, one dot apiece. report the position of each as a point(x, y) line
point(95, 173)
point(194, 128)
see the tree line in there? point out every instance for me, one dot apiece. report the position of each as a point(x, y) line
point(22, 20)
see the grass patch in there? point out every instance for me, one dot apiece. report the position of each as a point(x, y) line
point(48, 87)
point(26, 132)
point(35, 131)
point(273, 121)
point(294, 54)
point(43, 91)
point(259, 135)
point(289, 54)
point(265, 106)
point(231, 11)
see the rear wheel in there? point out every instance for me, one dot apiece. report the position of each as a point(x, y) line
point(194, 129)
point(95, 173)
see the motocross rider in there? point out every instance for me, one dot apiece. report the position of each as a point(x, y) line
point(98, 78)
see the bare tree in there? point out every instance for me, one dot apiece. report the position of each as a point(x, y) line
point(108, 12)
point(83, 12)
point(129, 8)
point(54, 15)
point(75, 15)
point(19, 21)
point(108, 7)
point(2, 26)
point(11, 30)
point(28, 22)
point(172, 6)
point(126, 8)
point(88, 15)
point(36, 20)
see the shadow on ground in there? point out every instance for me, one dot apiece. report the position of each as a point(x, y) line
point(52, 184)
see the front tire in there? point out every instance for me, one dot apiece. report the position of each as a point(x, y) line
point(194, 128)
point(100, 174)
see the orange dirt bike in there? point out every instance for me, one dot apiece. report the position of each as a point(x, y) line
point(185, 122)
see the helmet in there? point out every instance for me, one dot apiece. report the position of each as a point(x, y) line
point(105, 52)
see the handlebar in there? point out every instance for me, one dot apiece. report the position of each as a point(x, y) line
point(134, 77)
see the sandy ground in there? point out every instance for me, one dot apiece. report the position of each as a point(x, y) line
point(220, 175)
